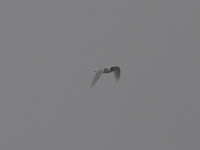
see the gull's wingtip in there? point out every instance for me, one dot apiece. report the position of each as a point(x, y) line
point(91, 87)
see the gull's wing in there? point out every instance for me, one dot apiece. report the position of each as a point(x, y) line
point(116, 72)
point(96, 77)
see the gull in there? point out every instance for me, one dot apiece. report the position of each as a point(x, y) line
point(99, 71)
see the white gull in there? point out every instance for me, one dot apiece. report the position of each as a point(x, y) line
point(99, 71)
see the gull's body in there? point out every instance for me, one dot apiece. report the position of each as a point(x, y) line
point(99, 71)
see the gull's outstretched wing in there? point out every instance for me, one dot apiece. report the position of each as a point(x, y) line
point(96, 77)
point(116, 70)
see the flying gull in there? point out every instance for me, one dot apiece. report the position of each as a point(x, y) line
point(99, 71)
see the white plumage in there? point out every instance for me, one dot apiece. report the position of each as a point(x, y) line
point(99, 71)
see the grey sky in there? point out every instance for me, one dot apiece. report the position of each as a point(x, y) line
point(49, 49)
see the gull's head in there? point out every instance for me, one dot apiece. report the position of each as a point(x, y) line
point(106, 69)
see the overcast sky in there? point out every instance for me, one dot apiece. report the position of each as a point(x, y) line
point(49, 49)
